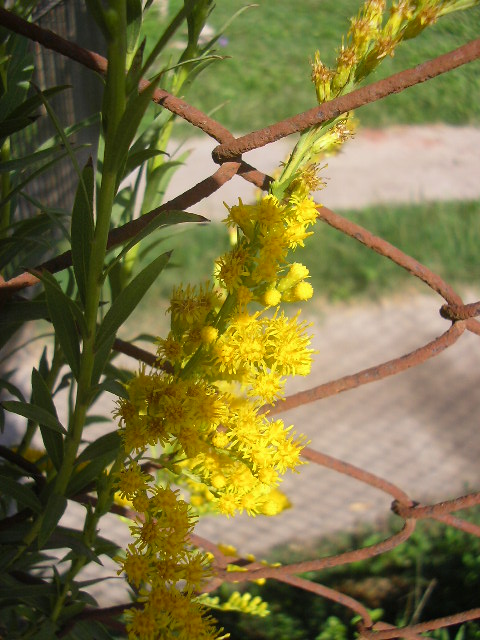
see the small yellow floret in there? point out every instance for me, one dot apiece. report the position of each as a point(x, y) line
point(208, 334)
point(302, 291)
point(271, 298)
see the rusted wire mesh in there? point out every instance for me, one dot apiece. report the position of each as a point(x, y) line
point(461, 317)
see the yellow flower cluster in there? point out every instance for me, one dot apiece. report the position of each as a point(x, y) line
point(220, 364)
point(371, 38)
point(161, 565)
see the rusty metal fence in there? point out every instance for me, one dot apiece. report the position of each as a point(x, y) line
point(228, 154)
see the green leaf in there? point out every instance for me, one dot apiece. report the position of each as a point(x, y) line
point(106, 444)
point(60, 130)
point(96, 419)
point(129, 299)
point(82, 228)
point(52, 440)
point(54, 510)
point(34, 413)
point(21, 493)
point(88, 629)
point(12, 125)
point(25, 591)
point(129, 123)
point(102, 357)
point(95, 8)
point(136, 159)
point(46, 631)
point(66, 538)
point(83, 477)
point(134, 23)
point(11, 388)
point(114, 387)
point(157, 182)
point(62, 316)
point(19, 187)
point(23, 310)
point(29, 105)
point(24, 162)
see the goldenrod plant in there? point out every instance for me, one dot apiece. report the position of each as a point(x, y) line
point(191, 433)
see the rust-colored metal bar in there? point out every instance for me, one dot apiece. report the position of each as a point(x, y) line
point(380, 626)
point(352, 471)
point(458, 523)
point(441, 508)
point(384, 248)
point(331, 594)
point(438, 623)
point(358, 98)
point(456, 312)
point(372, 374)
point(98, 63)
point(256, 572)
point(121, 234)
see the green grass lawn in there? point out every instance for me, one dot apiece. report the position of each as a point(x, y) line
point(444, 236)
point(267, 76)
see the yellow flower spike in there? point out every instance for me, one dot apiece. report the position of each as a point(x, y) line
point(274, 503)
point(142, 623)
point(231, 267)
point(321, 78)
point(244, 296)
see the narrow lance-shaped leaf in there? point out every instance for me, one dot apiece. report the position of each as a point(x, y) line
point(29, 105)
point(52, 440)
point(63, 319)
point(22, 494)
point(129, 298)
point(54, 510)
point(134, 23)
point(128, 125)
point(34, 413)
point(108, 443)
point(82, 228)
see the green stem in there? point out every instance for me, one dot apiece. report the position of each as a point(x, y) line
point(115, 100)
point(89, 533)
point(5, 211)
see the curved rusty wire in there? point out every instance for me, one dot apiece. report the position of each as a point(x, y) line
point(384, 248)
point(358, 98)
point(331, 594)
point(372, 374)
point(441, 508)
point(438, 623)
point(458, 523)
point(96, 62)
point(352, 471)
